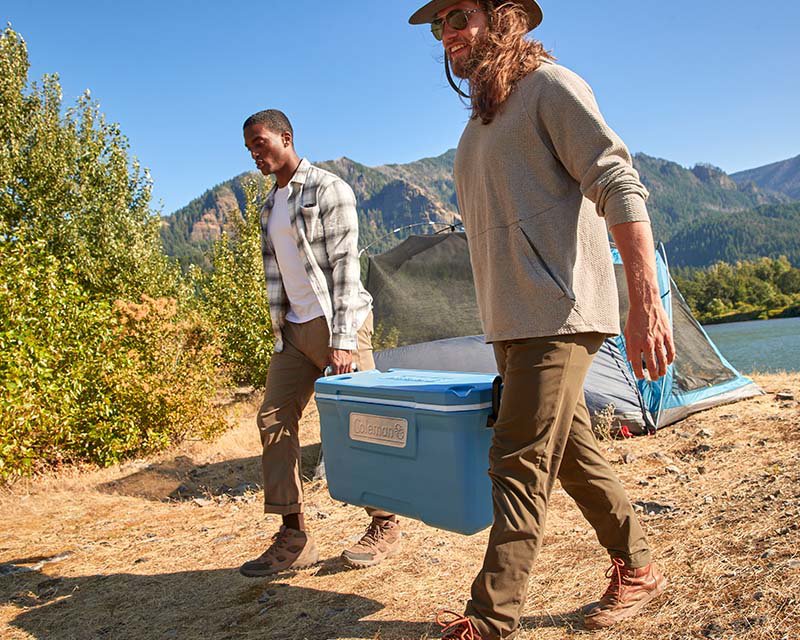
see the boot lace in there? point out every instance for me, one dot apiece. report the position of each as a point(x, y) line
point(456, 627)
point(278, 541)
point(373, 535)
point(616, 573)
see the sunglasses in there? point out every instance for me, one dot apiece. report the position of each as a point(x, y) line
point(458, 19)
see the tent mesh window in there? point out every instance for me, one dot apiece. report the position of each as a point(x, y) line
point(697, 364)
point(423, 289)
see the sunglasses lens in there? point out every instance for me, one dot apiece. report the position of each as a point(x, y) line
point(458, 19)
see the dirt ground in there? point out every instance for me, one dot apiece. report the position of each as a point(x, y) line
point(151, 548)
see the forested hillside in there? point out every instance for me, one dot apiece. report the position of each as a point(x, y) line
point(420, 193)
point(748, 290)
point(680, 196)
point(769, 230)
point(189, 233)
point(701, 213)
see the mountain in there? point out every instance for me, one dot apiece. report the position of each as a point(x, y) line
point(680, 196)
point(769, 230)
point(419, 193)
point(697, 212)
point(783, 177)
point(391, 196)
point(188, 234)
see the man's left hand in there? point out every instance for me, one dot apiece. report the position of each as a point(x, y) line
point(340, 361)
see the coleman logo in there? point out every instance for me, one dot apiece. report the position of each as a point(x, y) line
point(391, 432)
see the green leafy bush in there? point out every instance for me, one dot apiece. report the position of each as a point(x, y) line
point(233, 294)
point(88, 380)
point(101, 354)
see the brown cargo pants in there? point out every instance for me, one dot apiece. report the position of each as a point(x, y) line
point(290, 384)
point(543, 432)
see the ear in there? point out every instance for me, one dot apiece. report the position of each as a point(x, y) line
point(287, 138)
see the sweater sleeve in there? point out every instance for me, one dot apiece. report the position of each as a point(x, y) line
point(569, 120)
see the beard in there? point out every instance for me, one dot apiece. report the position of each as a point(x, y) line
point(465, 66)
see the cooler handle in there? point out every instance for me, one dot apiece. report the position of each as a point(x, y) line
point(327, 370)
point(497, 392)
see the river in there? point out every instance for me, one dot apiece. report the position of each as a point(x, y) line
point(759, 345)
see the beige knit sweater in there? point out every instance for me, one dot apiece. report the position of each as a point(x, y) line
point(533, 188)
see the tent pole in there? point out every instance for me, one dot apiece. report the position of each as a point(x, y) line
point(668, 296)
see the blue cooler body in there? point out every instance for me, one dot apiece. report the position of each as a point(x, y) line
point(415, 443)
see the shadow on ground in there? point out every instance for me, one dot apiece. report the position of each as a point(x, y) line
point(198, 604)
point(213, 605)
point(183, 479)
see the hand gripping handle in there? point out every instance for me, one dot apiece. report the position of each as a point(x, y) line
point(329, 370)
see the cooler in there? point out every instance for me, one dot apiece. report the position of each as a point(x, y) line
point(415, 443)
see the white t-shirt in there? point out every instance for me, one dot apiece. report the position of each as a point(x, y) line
point(303, 303)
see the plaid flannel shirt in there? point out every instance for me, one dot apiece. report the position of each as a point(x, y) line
point(322, 212)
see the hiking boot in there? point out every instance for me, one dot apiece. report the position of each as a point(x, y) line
point(457, 627)
point(629, 590)
point(381, 540)
point(290, 549)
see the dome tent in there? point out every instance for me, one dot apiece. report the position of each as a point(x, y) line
point(424, 298)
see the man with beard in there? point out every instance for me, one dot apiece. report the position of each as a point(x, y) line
point(321, 317)
point(540, 177)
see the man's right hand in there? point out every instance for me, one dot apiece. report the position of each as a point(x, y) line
point(648, 334)
point(339, 361)
point(648, 339)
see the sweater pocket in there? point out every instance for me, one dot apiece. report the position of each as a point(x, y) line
point(544, 271)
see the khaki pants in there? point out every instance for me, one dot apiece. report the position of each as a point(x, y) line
point(543, 432)
point(290, 384)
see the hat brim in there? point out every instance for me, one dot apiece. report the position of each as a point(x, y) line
point(427, 13)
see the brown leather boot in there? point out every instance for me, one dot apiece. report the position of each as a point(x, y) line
point(290, 549)
point(629, 590)
point(381, 540)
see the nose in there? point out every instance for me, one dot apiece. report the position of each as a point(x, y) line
point(448, 34)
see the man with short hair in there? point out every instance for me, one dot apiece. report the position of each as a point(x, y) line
point(540, 178)
point(321, 317)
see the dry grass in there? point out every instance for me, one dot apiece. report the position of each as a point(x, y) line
point(149, 552)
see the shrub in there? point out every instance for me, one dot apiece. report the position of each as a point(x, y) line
point(88, 380)
point(234, 296)
point(101, 356)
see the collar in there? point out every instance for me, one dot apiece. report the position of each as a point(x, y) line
point(301, 173)
point(299, 178)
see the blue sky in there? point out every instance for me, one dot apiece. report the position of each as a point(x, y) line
point(690, 81)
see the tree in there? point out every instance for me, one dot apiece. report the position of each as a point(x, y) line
point(100, 356)
point(70, 182)
point(234, 295)
point(789, 282)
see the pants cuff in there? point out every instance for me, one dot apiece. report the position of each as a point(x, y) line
point(635, 561)
point(283, 509)
point(483, 627)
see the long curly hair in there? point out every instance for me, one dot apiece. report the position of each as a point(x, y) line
point(501, 58)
